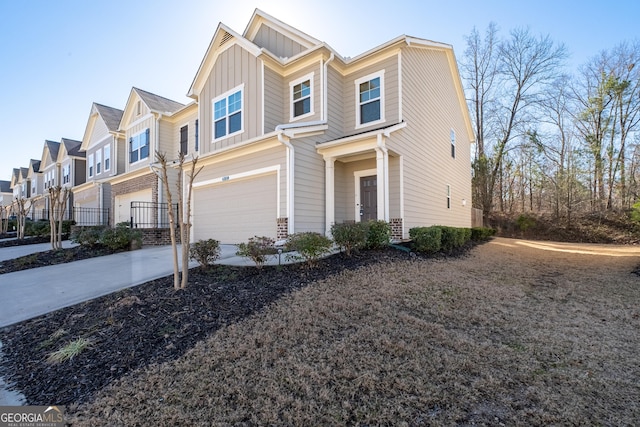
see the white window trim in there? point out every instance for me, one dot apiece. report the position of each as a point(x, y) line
point(129, 148)
point(452, 147)
point(98, 162)
point(90, 168)
point(242, 113)
point(357, 175)
point(382, 98)
point(107, 166)
point(311, 112)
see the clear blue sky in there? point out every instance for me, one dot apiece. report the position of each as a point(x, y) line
point(57, 57)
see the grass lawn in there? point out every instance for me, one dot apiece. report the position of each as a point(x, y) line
point(508, 334)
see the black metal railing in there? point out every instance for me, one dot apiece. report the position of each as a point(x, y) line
point(151, 214)
point(91, 216)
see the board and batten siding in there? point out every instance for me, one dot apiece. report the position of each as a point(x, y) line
point(252, 161)
point(235, 66)
point(99, 132)
point(277, 43)
point(431, 109)
point(391, 94)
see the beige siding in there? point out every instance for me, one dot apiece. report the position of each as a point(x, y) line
point(141, 126)
point(99, 132)
point(317, 88)
point(335, 83)
point(309, 187)
point(234, 67)
point(274, 103)
point(431, 109)
point(87, 198)
point(345, 191)
point(391, 91)
point(276, 42)
point(167, 143)
point(252, 161)
point(121, 156)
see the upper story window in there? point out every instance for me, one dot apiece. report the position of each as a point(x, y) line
point(107, 157)
point(452, 135)
point(448, 197)
point(98, 162)
point(302, 97)
point(184, 139)
point(227, 114)
point(197, 135)
point(139, 146)
point(66, 174)
point(370, 99)
point(33, 187)
point(90, 165)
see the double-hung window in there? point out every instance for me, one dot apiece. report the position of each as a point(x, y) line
point(370, 99)
point(302, 97)
point(107, 157)
point(139, 146)
point(98, 162)
point(66, 174)
point(227, 114)
point(184, 139)
point(90, 163)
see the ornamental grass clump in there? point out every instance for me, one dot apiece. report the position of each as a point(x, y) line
point(69, 351)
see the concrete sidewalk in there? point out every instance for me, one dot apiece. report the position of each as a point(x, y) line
point(12, 252)
point(30, 293)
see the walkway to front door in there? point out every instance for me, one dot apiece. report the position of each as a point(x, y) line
point(368, 198)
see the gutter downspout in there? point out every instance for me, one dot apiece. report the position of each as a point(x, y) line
point(286, 141)
point(325, 88)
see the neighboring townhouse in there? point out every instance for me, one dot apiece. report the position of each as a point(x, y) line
point(35, 181)
point(49, 166)
point(6, 195)
point(294, 137)
point(62, 164)
point(148, 127)
point(105, 153)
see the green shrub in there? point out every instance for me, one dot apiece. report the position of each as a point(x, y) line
point(525, 222)
point(350, 236)
point(121, 237)
point(257, 248)
point(87, 236)
point(311, 246)
point(426, 239)
point(205, 252)
point(480, 234)
point(37, 228)
point(379, 234)
point(66, 226)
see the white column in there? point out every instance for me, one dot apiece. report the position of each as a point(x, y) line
point(381, 174)
point(329, 192)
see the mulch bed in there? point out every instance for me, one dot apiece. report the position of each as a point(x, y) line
point(150, 323)
point(51, 257)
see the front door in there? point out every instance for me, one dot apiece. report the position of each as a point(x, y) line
point(368, 198)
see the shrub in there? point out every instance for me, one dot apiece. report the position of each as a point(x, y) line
point(379, 234)
point(258, 248)
point(310, 245)
point(525, 222)
point(350, 236)
point(426, 239)
point(121, 237)
point(205, 251)
point(480, 234)
point(37, 228)
point(87, 236)
point(452, 238)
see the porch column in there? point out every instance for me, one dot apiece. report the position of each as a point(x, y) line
point(329, 194)
point(382, 171)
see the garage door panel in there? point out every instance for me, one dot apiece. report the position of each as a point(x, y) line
point(234, 211)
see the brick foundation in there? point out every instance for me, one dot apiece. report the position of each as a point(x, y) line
point(396, 228)
point(283, 228)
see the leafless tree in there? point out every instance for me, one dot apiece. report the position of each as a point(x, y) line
point(22, 208)
point(58, 199)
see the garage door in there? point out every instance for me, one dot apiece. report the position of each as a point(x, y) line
point(234, 211)
point(123, 204)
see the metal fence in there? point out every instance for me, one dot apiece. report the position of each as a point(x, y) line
point(151, 214)
point(91, 216)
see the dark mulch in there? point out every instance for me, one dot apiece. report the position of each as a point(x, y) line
point(151, 323)
point(32, 240)
point(51, 257)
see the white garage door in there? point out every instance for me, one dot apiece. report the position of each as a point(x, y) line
point(123, 204)
point(234, 211)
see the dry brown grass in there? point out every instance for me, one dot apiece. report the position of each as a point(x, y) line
point(509, 334)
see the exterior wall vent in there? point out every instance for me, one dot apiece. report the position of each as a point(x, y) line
point(225, 38)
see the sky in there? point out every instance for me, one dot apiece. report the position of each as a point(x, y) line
point(58, 57)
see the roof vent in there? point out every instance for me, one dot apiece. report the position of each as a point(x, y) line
point(225, 38)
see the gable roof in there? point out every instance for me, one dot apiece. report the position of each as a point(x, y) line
point(51, 147)
point(111, 116)
point(260, 18)
point(34, 165)
point(72, 147)
point(157, 103)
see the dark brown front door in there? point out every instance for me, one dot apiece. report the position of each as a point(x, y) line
point(368, 198)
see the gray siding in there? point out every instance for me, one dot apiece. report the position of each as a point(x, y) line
point(309, 187)
point(345, 191)
point(276, 42)
point(233, 67)
point(274, 105)
point(335, 112)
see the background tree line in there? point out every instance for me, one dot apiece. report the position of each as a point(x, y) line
point(549, 140)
